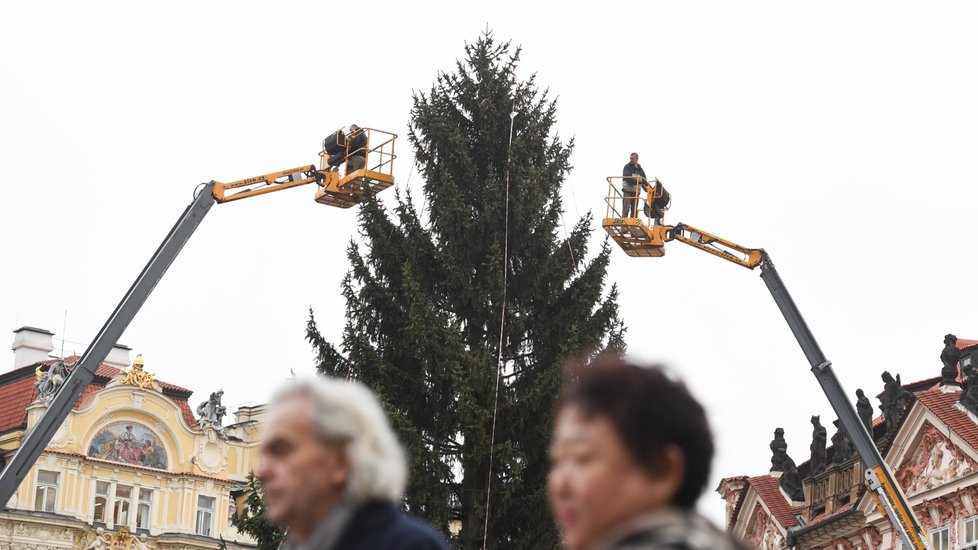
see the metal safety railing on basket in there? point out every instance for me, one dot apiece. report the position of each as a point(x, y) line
point(640, 206)
point(379, 153)
point(369, 167)
point(383, 152)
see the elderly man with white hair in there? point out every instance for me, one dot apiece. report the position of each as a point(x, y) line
point(334, 473)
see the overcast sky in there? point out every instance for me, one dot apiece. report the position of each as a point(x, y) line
point(839, 136)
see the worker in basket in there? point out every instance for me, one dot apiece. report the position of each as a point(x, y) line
point(350, 148)
point(633, 177)
point(357, 158)
point(335, 147)
point(659, 199)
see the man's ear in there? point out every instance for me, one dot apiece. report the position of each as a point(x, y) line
point(338, 463)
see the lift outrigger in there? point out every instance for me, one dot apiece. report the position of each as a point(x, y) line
point(648, 238)
point(368, 157)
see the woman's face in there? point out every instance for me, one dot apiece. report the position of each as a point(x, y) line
point(595, 484)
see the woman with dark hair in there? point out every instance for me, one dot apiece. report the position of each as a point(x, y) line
point(630, 455)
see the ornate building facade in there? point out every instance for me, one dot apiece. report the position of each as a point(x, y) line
point(927, 434)
point(132, 467)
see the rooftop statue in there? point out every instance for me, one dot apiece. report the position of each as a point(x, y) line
point(791, 482)
point(136, 376)
point(819, 439)
point(779, 451)
point(950, 356)
point(212, 412)
point(841, 444)
point(50, 381)
point(895, 400)
point(969, 393)
point(865, 411)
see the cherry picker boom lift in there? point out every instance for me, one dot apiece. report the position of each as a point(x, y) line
point(641, 239)
point(368, 155)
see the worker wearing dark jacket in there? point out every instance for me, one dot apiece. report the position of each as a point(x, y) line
point(634, 180)
point(357, 158)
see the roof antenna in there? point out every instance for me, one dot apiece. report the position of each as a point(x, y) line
point(64, 327)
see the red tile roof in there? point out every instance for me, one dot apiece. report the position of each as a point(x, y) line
point(824, 516)
point(962, 343)
point(188, 415)
point(769, 491)
point(14, 398)
point(827, 516)
point(17, 391)
point(942, 405)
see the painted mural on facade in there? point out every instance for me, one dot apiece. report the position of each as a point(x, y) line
point(128, 443)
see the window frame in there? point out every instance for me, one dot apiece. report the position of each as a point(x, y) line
point(142, 503)
point(973, 543)
point(205, 512)
point(937, 531)
point(45, 492)
point(118, 501)
point(105, 501)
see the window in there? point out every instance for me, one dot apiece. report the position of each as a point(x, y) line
point(144, 508)
point(940, 538)
point(205, 515)
point(47, 491)
point(970, 538)
point(117, 506)
point(123, 503)
point(101, 500)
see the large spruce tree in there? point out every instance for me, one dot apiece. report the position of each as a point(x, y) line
point(426, 290)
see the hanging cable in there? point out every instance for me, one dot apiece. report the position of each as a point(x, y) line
point(394, 214)
point(502, 319)
point(567, 236)
point(574, 199)
point(576, 211)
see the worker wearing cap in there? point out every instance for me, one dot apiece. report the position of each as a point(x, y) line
point(634, 179)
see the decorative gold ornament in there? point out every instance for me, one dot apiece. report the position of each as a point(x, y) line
point(122, 540)
point(136, 376)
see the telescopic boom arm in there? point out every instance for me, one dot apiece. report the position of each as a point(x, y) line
point(370, 175)
point(84, 371)
point(883, 488)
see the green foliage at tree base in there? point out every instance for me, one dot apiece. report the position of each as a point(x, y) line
point(250, 519)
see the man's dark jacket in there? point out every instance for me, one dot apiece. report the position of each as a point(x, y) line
point(381, 526)
point(630, 170)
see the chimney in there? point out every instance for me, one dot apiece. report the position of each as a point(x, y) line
point(119, 357)
point(31, 345)
point(250, 413)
